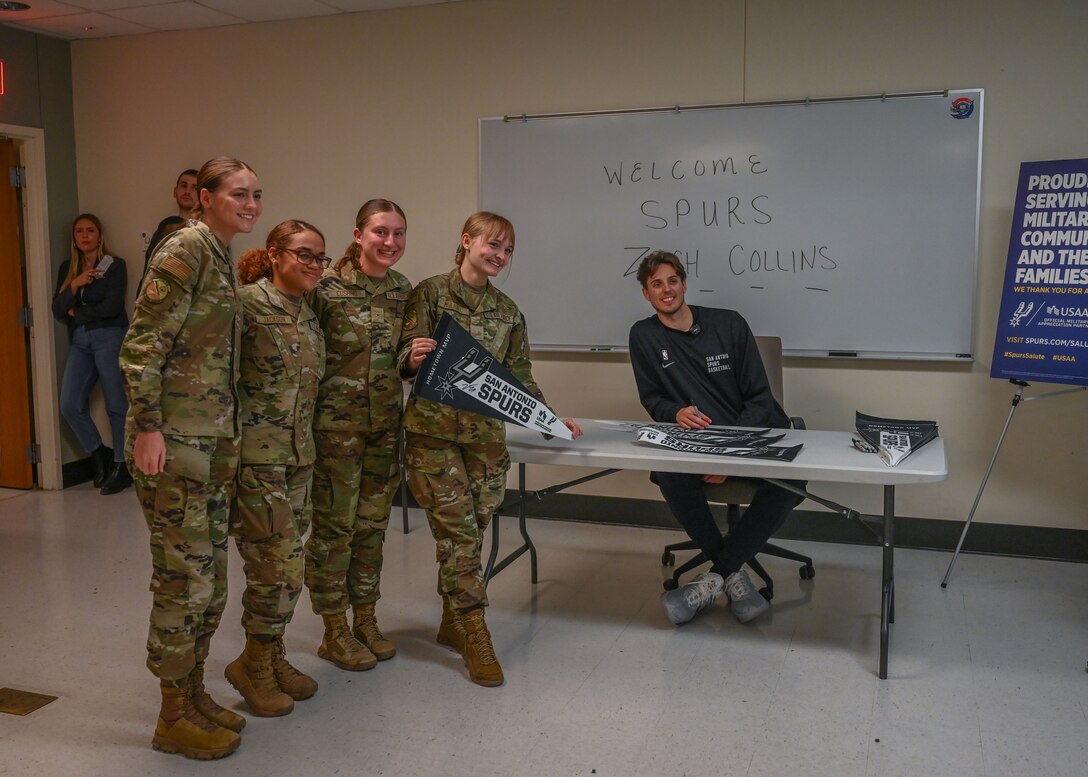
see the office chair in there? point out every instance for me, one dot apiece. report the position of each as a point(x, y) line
point(737, 491)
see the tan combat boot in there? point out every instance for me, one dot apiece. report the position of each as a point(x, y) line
point(479, 653)
point(181, 729)
point(294, 683)
point(367, 632)
point(251, 675)
point(451, 633)
point(341, 647)
point(206, 705)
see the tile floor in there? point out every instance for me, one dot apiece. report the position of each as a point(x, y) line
point(986, 678)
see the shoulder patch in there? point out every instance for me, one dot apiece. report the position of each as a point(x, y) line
point(410, 321)
point(156, 290)
point(176, 267)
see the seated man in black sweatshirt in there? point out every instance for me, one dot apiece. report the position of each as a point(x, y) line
point(695, 366)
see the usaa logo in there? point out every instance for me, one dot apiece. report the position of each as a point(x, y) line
point(962, 107)
point(1054, 310)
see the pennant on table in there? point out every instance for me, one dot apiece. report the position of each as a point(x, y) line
point(721, 436)
point(748, 449)
point(462, 374)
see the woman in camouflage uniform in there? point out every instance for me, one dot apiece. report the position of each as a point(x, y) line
point(179, 360)
point(359, 305)
point(283, 356)
point(457, 460)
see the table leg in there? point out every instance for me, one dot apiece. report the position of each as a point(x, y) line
point(489, 570)
point(403, 484)
point(521, 522)
point(887, 599)
point(527, 544)
point(494, 568)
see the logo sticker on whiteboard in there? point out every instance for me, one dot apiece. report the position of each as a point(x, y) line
point(962, 107)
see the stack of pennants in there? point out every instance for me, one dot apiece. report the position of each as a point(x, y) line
point(719, 441)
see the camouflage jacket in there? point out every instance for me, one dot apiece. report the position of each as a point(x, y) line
point(361, 319)
point(281, 365)
point(180, 356)
point(498, 326)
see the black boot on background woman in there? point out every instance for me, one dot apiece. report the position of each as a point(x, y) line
point(102, 456)
point(118, 480)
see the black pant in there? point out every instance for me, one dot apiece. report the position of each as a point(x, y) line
point(769, 509)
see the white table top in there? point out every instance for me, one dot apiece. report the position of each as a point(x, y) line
point(826, 456)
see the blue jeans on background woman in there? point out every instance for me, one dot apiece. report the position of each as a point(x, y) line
point(93, 358)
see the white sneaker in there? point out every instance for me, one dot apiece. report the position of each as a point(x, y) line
point(682, 604)
point(745, 601)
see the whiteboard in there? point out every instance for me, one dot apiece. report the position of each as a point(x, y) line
point(845, 227)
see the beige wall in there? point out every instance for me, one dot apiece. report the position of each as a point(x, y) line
point(335, 110)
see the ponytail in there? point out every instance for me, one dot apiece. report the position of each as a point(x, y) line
point(253, 265)
point(351, 256)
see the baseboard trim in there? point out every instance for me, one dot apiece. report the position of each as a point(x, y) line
point(922, 533)
point(75, 472)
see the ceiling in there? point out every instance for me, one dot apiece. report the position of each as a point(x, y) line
point(79, 19)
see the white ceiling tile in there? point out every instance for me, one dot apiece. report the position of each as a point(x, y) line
point(136, 17)
point(367, 5)
point(176, 16)
point(72, 26)
point(113, 5)
point(267, 10)
point(40, 9)
point(359, 5)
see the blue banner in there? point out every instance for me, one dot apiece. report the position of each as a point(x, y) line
point(1042, 332)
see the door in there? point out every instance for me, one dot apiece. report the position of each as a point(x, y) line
point(16, 470)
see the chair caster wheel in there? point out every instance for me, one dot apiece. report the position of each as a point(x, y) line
point(667, 559)
point(766, 593)
point(807, 572)
point(670, 585)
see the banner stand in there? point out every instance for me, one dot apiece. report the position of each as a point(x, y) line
point(1020, 386)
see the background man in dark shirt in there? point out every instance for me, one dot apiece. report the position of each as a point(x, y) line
point(185, 196)
point(695, 366)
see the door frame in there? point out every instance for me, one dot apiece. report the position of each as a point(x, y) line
point(39, 281)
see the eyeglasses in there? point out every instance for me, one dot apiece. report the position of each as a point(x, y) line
point(308, 257)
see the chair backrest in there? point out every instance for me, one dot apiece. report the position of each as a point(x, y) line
point(770, 350)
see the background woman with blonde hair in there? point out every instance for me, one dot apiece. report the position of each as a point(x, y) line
point(282, 359)
point(360, 304)
point(90, 300)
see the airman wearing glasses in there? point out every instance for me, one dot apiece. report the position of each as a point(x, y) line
point(282, 360)
point(359, 304)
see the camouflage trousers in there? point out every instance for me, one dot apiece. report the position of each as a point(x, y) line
point(186, 507)
point(355, 477)
point(460, 485)
point(269, 517)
